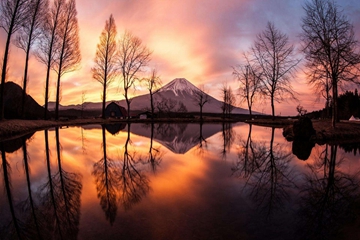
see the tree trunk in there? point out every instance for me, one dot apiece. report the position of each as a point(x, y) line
point(57, 98)
point(201, 117)
point(25, 81)
point(152, 105)
point(334, 119)
point(104, 99)
point(3, 77)
point(272, 107)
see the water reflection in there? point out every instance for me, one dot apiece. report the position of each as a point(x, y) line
point(228, 138)
point(60, 197)
point(107, 182)
point(155, 153)
point(119, 180)
point(145, 184)
point(269, 178)
point(328, 197)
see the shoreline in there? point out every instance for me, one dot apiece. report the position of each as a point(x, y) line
point(345, 132)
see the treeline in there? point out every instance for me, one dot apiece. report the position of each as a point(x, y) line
point(48, 31)
point(330, 50)
point(348, 105)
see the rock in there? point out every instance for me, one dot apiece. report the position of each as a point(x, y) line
point(288, 133)
point(303, 129)
point(302, 149)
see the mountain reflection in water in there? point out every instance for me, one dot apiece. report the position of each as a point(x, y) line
point(176, 181)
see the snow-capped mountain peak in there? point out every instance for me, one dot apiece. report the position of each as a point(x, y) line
point(179, 85)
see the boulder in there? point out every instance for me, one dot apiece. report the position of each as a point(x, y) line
point(303, 129)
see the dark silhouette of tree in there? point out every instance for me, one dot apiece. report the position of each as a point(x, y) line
point(267, 174)
point(133, 56)
point(152, 83)
point(105, 70)
point(155, 154)
point(30, 210)
point(228, 137)
point(275, 58)
point(29, 32)
point(69, 57)
point(330, 48)
point(49, 43)
point(200, 98)
point(13, 229)
point(166, 106)
point(107, 182)
point(250, 157)
point(328, 198)
point(248, 76)
point(60, 197)
point(228, 100)
point(133, 184)
point(12, 15)
point(203, 144)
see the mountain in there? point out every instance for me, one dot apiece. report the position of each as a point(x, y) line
point(182, 91)
point(176, 93)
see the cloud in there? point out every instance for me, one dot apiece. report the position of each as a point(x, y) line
point(198, 40)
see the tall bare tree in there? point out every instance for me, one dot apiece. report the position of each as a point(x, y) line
point(104, 70)
point(152, 83)
point(29, 32)
point(49, 43)
point(275, 57)
point(248, 77)
point(12, 15)
point(69, 57)
point(133, 56)
point(330, 47)
point(228, 100)
point(200, 99)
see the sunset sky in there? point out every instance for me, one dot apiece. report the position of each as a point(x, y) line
point(197, 40)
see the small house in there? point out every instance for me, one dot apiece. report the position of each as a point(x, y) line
point(114, 110)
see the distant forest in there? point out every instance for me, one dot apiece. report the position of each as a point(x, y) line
point(348, 105)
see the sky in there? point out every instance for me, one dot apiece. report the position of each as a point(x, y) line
point(198, 40)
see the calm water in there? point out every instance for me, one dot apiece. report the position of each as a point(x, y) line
point(183, 181)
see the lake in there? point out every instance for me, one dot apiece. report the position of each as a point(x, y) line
point(177, 181)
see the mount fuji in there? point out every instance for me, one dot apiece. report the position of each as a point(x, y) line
point(182, 91)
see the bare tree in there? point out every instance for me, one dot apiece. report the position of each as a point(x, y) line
point(133, 56)
point(152, 83)
point(29, 32)
point(200, 98)
point(249, 78)
point(69, 57)
point(228, 100)
point(105, 70)
point(330, 47)
point(275, 57)
point(49, 43)
point(12, 15)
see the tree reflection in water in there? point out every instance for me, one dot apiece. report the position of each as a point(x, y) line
point(268, 178)
point(155, 154)
point(60, 197)
point(329, 197)
point(120, 181)
point(133, 183)
point(228, 137)
point(13, 229)
point(107, 182)
point(30, 211)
